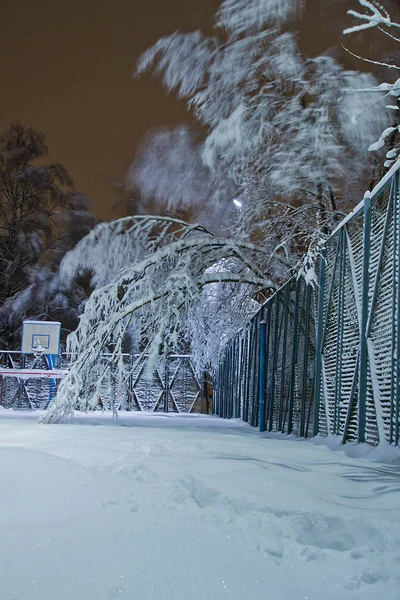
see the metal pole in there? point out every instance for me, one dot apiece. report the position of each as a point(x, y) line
point(319, 340)
point(284, 352)
point(130, 382)
point(303, 432)
point(262, 373)
point(247, 379)
point(397, 394)
point(21, 385)
point(166, 381)
point(395, 311)
point(275, 352)
point(362, 401)
point(294, 357)
point(242, 376)
point(254, 393)
point(339, 333)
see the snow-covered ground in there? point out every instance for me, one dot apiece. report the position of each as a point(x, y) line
point(171, 507)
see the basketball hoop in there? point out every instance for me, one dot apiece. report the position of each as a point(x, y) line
point(39, 351)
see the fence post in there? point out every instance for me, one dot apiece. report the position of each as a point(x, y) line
point(275, 303)
point(166, 381)
point(285, 319)
point(130, 382)
point(262, 374)
point(21, 384)
point(362, 401)
point(303, 432)
point(319, 339)
point(51, 360)
point(396, 397)
point(292, 385)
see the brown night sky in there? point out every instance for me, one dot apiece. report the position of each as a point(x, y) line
point(66, 68)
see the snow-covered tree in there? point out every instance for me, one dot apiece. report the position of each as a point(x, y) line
point(221, 310)
point(280, 140)
point(170, 177)
point(149, 274)
point(168, 169)
point(279, 132)
point(375, 15)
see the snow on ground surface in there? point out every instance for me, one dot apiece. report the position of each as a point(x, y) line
point(173, 507)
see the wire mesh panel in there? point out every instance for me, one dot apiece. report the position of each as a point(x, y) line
point(325, 359)
point(341, 317)
point(358, 382)
point(25, 393)
point(184, 389)
point(9, 386)
point(287, 366)
point(147, 385)
point(134, 383)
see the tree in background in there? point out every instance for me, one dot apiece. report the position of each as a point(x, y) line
point(281, 137)
point(375, 15)
point(41, 217)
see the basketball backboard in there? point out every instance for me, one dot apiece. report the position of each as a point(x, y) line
point(40, 335)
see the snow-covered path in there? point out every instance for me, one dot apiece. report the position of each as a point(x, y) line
point(190, 507)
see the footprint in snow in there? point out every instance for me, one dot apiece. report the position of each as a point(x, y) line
point(273, 548)
point(368, 576)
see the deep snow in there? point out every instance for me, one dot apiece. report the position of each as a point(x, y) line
point(190, 507)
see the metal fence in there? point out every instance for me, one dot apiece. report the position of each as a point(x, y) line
point(170, 386)
point(325, 358)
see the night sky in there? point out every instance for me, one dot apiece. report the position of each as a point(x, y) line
point(66, 68)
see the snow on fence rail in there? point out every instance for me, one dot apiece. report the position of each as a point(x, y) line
point(326, 359)
point(27, 383)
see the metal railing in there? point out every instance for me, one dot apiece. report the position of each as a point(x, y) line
point(325, 358)
point(171, 386)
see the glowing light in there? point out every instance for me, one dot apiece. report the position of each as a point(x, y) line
point(237, 203)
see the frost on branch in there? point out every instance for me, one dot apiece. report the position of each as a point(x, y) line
point(280, 136)
point(222, 309)
point(241, 16)
point(307, 268)
point(149, 273)
point(169, 173)
point(376, 15)
point(168, 169)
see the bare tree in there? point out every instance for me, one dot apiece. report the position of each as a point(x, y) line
point(41, 217)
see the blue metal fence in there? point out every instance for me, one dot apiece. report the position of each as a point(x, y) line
point(325, 358)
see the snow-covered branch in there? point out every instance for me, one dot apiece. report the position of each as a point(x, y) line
point(151, 281)
point(380, 18)
point(279, 132)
